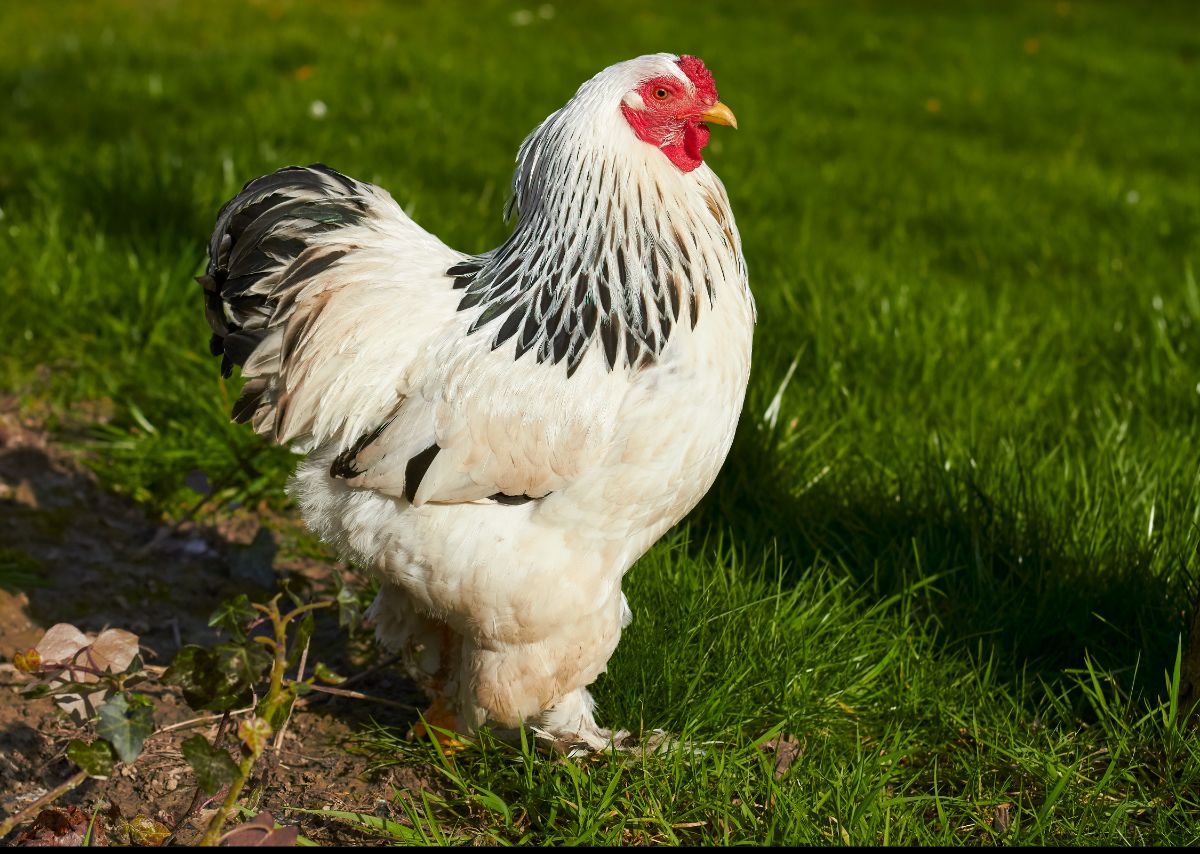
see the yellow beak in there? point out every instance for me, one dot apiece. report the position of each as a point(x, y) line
point(719, 114)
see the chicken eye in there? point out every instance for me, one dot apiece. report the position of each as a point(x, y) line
point(661, 94)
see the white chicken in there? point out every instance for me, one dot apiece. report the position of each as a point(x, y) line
point(501, 436)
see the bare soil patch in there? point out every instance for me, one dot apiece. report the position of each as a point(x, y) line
point(79, 554)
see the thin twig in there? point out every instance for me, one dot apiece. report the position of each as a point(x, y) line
point(356, 695)
point(203, 719)
point(303, 661)
point(32, 810)
point(361, 675)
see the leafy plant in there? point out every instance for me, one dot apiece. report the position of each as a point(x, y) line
point(92, 679)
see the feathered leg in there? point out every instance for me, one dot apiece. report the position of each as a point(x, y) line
point(441, 714)
point(570, 726)
point(430, 652)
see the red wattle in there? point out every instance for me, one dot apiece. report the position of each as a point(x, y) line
point(686, 146)
point(695, 137)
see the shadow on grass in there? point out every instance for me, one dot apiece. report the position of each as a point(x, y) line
point(1014, 576)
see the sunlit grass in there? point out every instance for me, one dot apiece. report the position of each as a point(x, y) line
point(952, 554)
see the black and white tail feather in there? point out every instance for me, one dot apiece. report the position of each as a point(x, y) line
point(321, 290)
point(267, 244)
point(285, 248)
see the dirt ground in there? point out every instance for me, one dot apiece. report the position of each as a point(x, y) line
point(96, 560)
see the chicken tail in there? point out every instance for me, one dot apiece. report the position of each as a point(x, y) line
point(270, 240)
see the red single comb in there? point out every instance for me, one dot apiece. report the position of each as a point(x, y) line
point(701, 77)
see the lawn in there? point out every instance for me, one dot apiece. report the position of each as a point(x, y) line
point(948, 567)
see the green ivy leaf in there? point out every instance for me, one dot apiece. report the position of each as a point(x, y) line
point(96, 759)
point(212, 766)
point(349, 609)
point(300, 637)
point(135, 669)
point(125, 721)
point(326, 675)
point(245, 662)
point(37, 691)
point(276, 713)
point(218, 679)
point(205, 687)
point(234, 615)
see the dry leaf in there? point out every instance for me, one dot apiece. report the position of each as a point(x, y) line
point(787, 750)
point(65, 645)
point(114, 649)
point(59, 827)
point(148, 832)
point(61, 642)
point(261, 831)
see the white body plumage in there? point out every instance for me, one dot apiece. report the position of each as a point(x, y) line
point(539, 486)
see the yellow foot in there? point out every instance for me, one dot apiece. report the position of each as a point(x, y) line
point(440, 716)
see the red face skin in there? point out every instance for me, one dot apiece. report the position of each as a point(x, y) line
point(671, 121)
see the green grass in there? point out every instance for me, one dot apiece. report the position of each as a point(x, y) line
point(953, 555)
